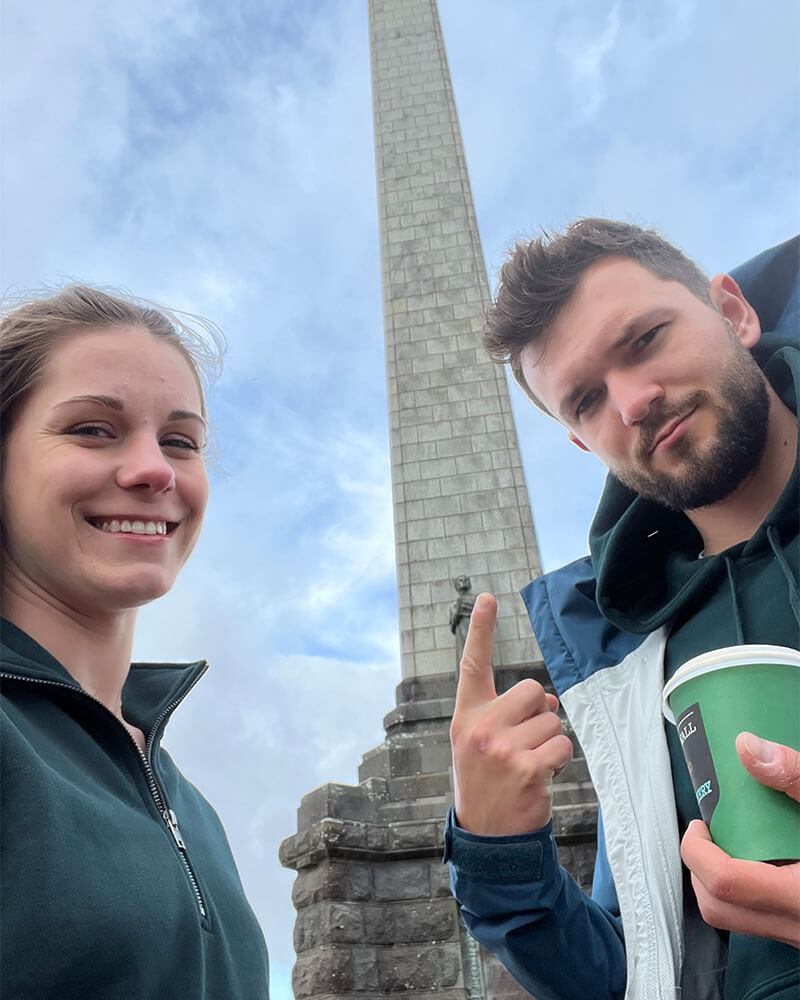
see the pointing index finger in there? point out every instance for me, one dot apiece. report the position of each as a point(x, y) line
point(476, 679)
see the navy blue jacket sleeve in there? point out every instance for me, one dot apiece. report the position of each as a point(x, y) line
point(516, 899)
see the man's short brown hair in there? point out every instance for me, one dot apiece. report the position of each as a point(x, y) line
point(539, 277)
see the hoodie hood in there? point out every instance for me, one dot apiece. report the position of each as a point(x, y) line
point(659, 548)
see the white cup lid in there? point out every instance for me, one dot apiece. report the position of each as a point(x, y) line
point(728, 656)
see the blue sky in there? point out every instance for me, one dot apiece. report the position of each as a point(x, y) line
point(219, 159)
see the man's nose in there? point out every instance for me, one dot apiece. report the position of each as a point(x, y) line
point(633, 396)
point(145, 467)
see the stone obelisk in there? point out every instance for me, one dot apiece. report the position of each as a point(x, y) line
point(460, 500)
point(375, 916)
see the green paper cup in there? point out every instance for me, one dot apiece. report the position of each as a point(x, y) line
point(711, 699)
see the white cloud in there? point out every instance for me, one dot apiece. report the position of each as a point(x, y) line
point(586, 53)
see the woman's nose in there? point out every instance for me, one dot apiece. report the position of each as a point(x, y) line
point(145, 467)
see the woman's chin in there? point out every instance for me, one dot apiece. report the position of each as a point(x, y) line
point(129, 594)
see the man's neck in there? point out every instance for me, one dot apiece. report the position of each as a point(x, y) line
point(739, 516)
point(96, 652)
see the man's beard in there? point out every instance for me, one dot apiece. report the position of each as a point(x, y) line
point(712, 472)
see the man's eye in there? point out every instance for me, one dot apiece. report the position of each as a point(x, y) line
point(645, 339)
point(585, 403)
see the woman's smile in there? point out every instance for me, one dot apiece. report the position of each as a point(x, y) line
point(133, 524)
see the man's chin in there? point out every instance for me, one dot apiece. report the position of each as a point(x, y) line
point(667, 491)
point(683, 494)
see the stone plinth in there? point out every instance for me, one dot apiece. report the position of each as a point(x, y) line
point(375, 918)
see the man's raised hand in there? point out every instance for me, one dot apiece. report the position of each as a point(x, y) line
point(506, 748)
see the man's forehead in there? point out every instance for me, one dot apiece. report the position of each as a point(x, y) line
point(618, 283)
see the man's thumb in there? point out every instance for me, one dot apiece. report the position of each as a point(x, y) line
point(772, 764)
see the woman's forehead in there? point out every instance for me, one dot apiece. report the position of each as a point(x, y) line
point(123, 359)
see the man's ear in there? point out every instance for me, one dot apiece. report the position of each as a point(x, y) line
point(729, 299)
point(577, 442)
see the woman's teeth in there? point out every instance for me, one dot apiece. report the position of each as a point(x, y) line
point(135, 527)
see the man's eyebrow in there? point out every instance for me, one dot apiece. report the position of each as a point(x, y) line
point(655, 316)
point(566, 405)
point(627, 334)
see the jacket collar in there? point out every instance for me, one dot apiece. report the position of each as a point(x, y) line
point(151, 690)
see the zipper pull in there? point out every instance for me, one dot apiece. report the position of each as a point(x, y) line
point(172, 822)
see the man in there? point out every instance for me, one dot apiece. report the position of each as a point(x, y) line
point(687, 390)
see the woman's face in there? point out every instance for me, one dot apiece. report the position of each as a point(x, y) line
point(104, 485)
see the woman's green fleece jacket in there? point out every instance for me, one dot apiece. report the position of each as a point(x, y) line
point(116, 877)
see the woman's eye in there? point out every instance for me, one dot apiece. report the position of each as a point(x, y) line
point(185, 444)
point(90, 430)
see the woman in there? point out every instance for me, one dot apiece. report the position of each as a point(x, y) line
point(117, 878)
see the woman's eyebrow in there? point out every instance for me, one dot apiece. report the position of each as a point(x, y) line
point(114, 402)
point(186, 415)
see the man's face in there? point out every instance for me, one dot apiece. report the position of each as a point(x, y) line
point(656, 383)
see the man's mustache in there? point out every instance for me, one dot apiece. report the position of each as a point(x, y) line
point(660, 416)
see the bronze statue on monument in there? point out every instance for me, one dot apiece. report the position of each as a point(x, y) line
point(460, 612)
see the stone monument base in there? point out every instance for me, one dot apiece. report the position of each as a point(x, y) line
point(375, 917)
